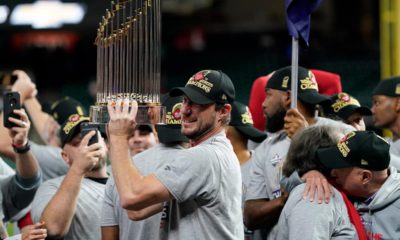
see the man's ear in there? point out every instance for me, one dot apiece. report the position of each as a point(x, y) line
point(225, 111)
point(397, 104)
point(366, 176)
point(287, 99)
point(65, 157)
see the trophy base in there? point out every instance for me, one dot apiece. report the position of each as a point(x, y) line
point(147, 114)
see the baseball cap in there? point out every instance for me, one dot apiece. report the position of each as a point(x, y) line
point(145, 127)
point(207, 86)
point(362, 149)
point(242, 120)
point(389, 87)
point(71, 127)
point(171, 131)
point(307, 86)
point(344, 105)
point(65, 107)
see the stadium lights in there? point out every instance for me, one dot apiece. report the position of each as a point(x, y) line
point(3, 13)
point(47, 14)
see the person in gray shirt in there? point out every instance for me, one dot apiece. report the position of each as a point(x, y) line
point(264, 198)
point(360, 166)
point(71, 204)
point(386, 114)
point(239, 132)
point(118, 223)
point(203, 183)
point(18, 190)
point(304, 218)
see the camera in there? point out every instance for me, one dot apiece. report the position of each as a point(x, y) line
point(86, 128)
point(11, 101)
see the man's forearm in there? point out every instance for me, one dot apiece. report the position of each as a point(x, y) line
point(60, 211)
point(126, 175)
point(26, 165)
point(110, 233)
point(37, 116)
point(146, 212)
point(262, 213)
point(136, 191)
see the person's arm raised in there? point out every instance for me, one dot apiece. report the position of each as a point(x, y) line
point(59, 212)
point(136, 191)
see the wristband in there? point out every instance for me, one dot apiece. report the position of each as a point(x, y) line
point(22, 149)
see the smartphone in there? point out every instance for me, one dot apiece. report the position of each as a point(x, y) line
point(86, 128)
point(11, 101)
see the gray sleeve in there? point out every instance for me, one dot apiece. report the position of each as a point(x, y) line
point(5, 170)
point(310, 221)
point(257, 188)
point(43, 196)
point(191, 174)
point(18, 193)
point(108, 211)
point(50, 161)
point(289, 183)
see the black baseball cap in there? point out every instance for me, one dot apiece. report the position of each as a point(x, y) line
point(344, 105)
point(71, 127)
point(145, 127)
point(65, 107)
point(207, 86)
point(242, 120)
point(307, 85)
point(171, 131)
point(389, 87)
point(362, 149)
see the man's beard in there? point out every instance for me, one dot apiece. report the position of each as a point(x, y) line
point(275, 122)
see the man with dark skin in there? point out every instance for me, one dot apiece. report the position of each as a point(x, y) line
point(264, 198)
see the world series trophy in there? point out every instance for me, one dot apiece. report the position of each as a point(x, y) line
point(129, 60)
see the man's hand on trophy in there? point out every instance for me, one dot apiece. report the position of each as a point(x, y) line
point(122, 118)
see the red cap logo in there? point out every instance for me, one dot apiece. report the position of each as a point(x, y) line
point(344, 98)
point(198, 76)
point(74, 118)
point(176, 111)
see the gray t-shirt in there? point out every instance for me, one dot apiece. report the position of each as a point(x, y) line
point(267, 161)
point(50, 161)
point(302, 219)
point(206, 184)
point(258, 234)
point(112, 212)
point(86, 221)
point(16, 193)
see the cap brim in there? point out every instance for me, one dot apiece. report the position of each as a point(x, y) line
point(331, 158)
point(252, 133)
point(348, 110)
point(169, 134)
point(313, 98)
point(192, 94)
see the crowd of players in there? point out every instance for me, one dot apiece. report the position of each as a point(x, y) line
point(310, 172)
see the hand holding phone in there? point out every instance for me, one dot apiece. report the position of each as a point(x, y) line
point(86, 128)
point(11, 101)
